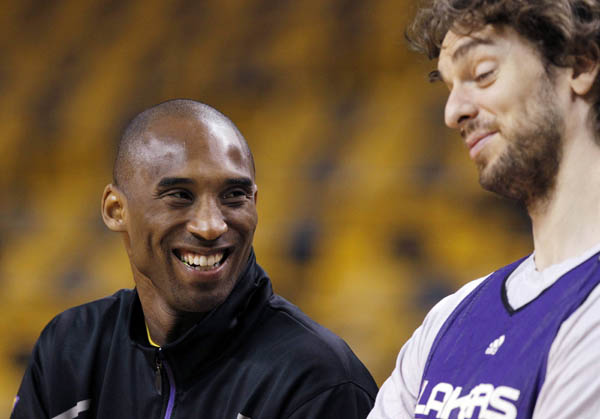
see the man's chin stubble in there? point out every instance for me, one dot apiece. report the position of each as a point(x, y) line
point(530, 181)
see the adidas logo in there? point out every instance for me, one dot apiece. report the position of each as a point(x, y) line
point(495, 345)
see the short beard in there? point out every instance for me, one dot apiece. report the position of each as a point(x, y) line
point(526, 171)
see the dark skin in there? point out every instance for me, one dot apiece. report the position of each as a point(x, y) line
point(187, 216)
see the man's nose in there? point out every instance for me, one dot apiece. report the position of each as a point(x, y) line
point(207, 221)
point(460, 108)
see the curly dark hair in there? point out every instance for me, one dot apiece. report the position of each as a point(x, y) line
point(564, 31)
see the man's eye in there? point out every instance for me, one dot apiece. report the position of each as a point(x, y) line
point(484, 71)
point(180, 195)
point(483, 76)
point(235, 195)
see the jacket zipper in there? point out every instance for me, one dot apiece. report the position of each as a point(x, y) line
point(160, 364)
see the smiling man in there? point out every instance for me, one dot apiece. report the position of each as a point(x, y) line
point(202, 335)
point(524, 341)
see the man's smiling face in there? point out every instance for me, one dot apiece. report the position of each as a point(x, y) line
point(190, 211)
point(506, 107)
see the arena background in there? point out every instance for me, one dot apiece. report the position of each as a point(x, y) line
point(369, 208)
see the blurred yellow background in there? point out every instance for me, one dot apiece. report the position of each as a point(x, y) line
point(369, 208)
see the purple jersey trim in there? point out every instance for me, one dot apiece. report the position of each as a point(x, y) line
point(171, 401)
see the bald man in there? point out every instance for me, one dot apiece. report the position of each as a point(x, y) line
point(202, 335)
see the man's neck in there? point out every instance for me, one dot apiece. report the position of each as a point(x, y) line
point(568, 222)
point(164, 325)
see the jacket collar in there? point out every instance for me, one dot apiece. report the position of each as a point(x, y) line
point(217, 334)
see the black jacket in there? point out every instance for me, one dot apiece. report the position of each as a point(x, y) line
point(256, 356)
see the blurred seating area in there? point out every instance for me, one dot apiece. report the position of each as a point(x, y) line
point(369, 208)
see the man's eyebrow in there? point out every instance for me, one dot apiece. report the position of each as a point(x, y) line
point(240, 181)
point(468, 46)
point(172, 181)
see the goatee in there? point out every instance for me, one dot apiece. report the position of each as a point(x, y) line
point(527, 168)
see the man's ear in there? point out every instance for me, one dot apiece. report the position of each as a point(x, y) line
point(114, 208)
point(255, 194)
point(584, 75)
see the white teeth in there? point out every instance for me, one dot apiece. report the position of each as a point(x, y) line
point(203, 261)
